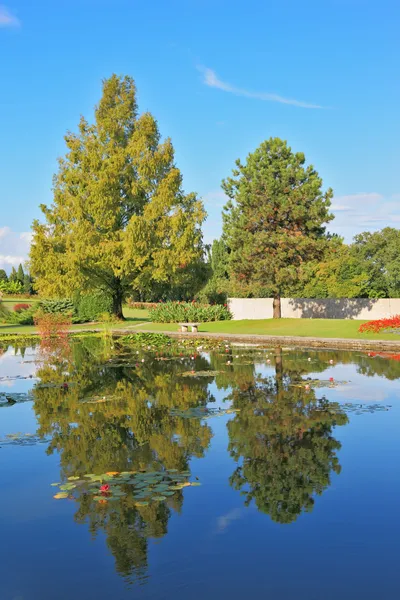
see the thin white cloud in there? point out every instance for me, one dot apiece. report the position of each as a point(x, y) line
point(210, 79)
point(340, 207)
point(4, 231)
point(359, 197)
point(7, 19)
point(225, 521)
point(364, 211)
point(14, 247)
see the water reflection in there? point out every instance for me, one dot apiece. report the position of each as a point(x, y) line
point(104, 406)
point(115, 416)
point(283, 439)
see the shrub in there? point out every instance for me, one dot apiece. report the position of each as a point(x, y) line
point(23, 316)
point(58, 306)
point(141, 305)
point(92, 307)
point(4, 313)
point(175, 312)
point(380, 325)
point(11, 287)
point(21, 307)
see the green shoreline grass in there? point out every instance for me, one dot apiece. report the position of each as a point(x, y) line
point(137, 320)
point(319, 328)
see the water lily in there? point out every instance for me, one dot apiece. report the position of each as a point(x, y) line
point(105, 488)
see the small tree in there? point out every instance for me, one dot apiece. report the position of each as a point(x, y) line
point(20, 274)
point(120, 220)
point(27, 283)
point(274, 220)
point(13, 275)
point(3, 275)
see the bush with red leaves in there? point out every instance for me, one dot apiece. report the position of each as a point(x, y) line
point(380, 325)
point(20, 307)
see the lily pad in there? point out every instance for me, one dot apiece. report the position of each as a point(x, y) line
point(61, 495)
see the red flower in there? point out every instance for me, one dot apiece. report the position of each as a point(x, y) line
point(331, 379)
point(105, 487)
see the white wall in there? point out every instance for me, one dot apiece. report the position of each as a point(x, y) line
point(329, 308)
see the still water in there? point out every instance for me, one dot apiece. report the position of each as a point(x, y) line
point(292, 457)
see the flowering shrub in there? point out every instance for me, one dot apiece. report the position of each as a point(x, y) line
point(188, 312)
point(380, 325)
point(20, 307)
point(142, 305)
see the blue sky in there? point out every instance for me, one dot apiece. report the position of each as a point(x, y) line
point(220, 76)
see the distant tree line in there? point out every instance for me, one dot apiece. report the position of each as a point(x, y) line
point(18, 282)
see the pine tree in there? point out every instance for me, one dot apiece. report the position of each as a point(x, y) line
point(120, 219)
point(27, 284)
point(13, 275)
point(20, 274)
point(3, 275)
point(274, 220)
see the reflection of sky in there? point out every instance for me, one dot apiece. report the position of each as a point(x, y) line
point(11, 366)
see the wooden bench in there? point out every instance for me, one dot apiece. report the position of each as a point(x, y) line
point(185, 327)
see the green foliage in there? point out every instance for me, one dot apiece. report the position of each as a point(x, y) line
point(156, 340)
point(27, 284)
point(3, 275)
point(23, 317)
point(188, 312)
point(339, 275)
point(13, 275)
point(4, 312)
point(216, 289)
point(274, 220)
point(58, 306)
point(11, 286)
point(379, 253)
point(20, 274)
point(120, 220)
point(91, 307)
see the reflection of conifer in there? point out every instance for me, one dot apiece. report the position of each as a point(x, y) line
point(283, 438)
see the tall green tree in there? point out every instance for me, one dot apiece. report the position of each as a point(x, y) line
point(274, 219)
point(20, 274)
point(120, 219)
point(13, 275)
point(379, 253)
point(3, 275)
point(27, 284)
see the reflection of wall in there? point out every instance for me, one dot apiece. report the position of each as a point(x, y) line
point(329, 308)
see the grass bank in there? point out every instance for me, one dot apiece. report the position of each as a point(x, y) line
point(322, 328)
point(133, 317)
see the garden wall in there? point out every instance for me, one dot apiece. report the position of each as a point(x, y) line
point(303, 308)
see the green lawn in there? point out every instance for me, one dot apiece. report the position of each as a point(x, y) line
point(324, 328)
point(139, 320)
point(133, 317)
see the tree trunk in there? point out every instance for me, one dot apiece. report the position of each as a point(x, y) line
point(277, 307)
point(117, 304)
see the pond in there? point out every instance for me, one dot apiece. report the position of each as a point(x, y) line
point(193, 473)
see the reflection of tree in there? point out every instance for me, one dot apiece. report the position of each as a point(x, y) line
point(109, 413)
point(282, 437)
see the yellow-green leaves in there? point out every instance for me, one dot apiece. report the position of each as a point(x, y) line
point(120, 219)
